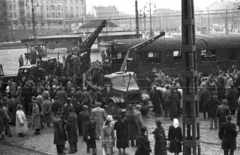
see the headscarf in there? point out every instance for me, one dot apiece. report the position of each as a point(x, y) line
point(110, 118)
point(175, 123)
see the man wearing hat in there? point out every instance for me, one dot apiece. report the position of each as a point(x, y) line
point(138, 114)
point(66, 107)
point(60, 136)
point(100, 116)
point(228, 134)
point(144, 144)
point(56, 105)
point(157, 100)
point(62, 96)
point(86, 97)
point(84, 117)
point(36, 124)
point(211, 106)
point(222, 111)
point(133, 125)
point(72, 126)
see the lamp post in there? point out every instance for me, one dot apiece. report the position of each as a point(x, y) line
point(150, 15)
point(33, 19)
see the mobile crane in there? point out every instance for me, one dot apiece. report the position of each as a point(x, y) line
point(120, 89)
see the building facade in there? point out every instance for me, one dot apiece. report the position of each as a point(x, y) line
point(48, 13)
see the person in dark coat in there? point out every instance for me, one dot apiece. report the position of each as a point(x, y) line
point(72, 126)
point(211, 106)
point(78, 94)
point(56, 105)
point(238, 115)
point(90, 136)
point(133, 126)
point(86, 97)
point(62, 96)
point(220, 86)
point(66, 107)
point(79, 108)
point(156, 98)
point(3, 117)
point(122, 137)
point(222, 111)
point(160, 139)
point(144, 143)
point(173, 99)
point(84, 118)
point(175, 137)
point(60, 136)
point(203, 99)
point(232, 96)
point(228, 134)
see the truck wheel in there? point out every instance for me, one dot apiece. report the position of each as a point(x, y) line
point(113, 109)
point(145, 112)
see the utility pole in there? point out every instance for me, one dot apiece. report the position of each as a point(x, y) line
point(226, 23)
point(209, 24)
point(150, 13)
point(137, 19)
point(33, 21)
point(191, 124)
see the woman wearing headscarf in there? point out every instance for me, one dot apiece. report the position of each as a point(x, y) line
point(160, 139)
point(175, 137)
point(108, 138)
point(21, 122)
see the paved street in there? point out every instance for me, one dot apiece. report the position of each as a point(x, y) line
point(43, 143)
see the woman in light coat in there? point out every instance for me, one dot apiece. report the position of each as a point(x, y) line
point(108, 138)
point(21, 122)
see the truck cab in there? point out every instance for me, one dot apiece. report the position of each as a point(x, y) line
point(47, 63)
point(120, 89)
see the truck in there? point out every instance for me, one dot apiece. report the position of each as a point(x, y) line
point(26, 72)
point(120, 89)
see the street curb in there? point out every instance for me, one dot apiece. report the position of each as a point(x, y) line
point(21, 147)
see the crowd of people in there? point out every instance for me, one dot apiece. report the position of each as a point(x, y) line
point(75, 112)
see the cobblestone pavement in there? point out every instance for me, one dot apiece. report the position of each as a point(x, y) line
point(43, 143)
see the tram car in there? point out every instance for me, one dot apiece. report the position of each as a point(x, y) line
point(213, 53)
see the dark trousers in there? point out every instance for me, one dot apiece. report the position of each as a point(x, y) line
point(73, 147)
point(228, 152)
point(7, 128)
point(233, 112)
point(60, 149)
point(166, 108)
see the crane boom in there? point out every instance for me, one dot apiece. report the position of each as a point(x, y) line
point(138, 47)
point(87, 44)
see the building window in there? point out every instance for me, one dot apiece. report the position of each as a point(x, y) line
point(53, 15)
point(15, 15)
point(232, 55)
point(11, 15)
point(208, 55)
point(52, 7)
point(10, 7)
point(177, 56)
point(154, 57)
point(59, 7)
point(14, 7)
point(71, 9)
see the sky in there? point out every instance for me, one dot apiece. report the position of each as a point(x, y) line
point(128, 6)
